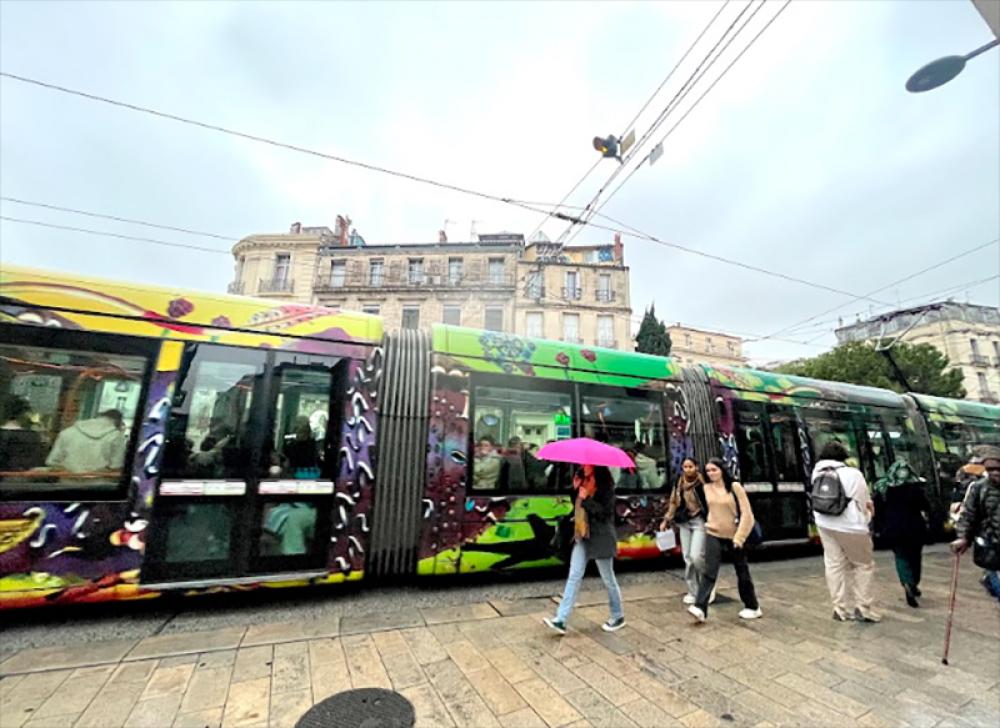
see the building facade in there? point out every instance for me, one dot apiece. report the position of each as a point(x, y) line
point(691, 346)
point(576, 294)
point(969, 335)
point(498, 283)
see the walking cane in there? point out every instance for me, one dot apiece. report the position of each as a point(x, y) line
point(951, 608)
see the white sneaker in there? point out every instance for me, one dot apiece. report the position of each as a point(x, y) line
point(696, 613)
point(751, 613)
point(689, 599)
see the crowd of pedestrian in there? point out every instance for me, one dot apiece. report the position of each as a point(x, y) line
point(714, 519)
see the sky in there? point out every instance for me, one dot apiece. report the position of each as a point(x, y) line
point(808, 159)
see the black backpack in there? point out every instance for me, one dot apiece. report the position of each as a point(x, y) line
point(827, 492)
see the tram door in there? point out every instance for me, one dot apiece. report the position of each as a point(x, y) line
point(250, 455)
point(770, 468)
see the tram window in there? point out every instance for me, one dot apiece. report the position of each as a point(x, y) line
point(298, 448)
point(288, 529)
point(197, 532)
point(67, 412)
point(824, 429)
point(207, 431)
point(634, 424)
point(509, 426)
point(750, 440)
point(880, 454)
point(786, 449)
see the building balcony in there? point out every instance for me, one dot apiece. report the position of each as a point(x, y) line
point(571, 339)
point(604, 296)
point(979, 360)
point(235, 288)
point(406, 280)
point(607, 343)
point(275, 285)
point(572, 294)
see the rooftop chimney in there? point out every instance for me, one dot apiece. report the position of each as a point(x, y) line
point(619, 249)
point(342, 229)
point(296, 228)
point(442, 236)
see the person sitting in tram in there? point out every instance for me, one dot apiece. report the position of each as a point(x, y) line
point(300, 453)
point(487, 465)
point(21, 447)
point(92, 445)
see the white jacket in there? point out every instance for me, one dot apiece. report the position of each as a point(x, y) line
point(88, 446)
point(855, 519)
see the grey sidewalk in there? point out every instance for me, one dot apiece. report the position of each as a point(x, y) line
point(494, 663)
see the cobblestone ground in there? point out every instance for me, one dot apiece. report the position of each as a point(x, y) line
point(492, 663)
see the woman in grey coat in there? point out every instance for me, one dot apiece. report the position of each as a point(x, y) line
point(594, 536)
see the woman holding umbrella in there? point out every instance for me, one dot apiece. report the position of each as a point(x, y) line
point(593, 523)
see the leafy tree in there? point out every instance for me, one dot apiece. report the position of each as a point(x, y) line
point(925, 368)
point(653, 337)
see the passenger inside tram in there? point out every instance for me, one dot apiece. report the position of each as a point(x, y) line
point(65, 415)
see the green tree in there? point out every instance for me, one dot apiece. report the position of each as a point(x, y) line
point(653, 337)
point(926, 369)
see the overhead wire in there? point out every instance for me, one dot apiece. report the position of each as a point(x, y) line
point(679, 95)
point(635, 118)
point(129, 220)
point(897, 282)
point(696, 102)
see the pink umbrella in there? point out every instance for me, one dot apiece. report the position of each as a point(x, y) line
point(584, 451)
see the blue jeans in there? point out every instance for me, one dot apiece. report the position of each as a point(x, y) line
point(693, 549)
point(577, 567)
point(992, 582)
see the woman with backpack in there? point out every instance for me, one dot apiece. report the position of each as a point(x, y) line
point(842, 510)
point(728, 524)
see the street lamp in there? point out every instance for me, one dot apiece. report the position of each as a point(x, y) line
point(939, 72)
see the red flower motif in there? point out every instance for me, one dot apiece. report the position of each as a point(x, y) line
point(562, 359)
point(588, 355)
point(179, 308)
point(222, 321)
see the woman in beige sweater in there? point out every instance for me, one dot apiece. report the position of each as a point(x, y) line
point(729, 522)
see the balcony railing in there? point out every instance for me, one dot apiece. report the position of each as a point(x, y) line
point(572, 294)
point(275, 285)
point(607, 343)
point(572, 339)
point(236, 288)
point(403, 279)
point(979, 360)
point(604, 295)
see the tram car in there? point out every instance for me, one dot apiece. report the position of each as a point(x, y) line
point(158, 441)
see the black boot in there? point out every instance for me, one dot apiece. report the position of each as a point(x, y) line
point(911, 595)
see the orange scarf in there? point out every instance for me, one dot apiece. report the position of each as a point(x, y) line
point(586, 486)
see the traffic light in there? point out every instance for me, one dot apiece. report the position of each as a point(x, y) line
point(607, 146)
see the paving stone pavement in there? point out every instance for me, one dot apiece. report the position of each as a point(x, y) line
point(495, 664)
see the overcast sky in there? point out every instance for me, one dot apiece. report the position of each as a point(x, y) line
point(809, 158)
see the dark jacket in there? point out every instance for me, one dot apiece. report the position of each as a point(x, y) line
point(902, 520)
point(603, 542)
point(980, 513)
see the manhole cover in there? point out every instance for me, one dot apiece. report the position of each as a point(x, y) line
point(364, 708)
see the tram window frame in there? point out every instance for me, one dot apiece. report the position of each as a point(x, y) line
point(95, 342)
point(250, 420)
point(850, 426)
point(563, 485)
point(650, 396)
point(788, 419)
point(751, 413)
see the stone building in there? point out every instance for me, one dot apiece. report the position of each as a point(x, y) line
point(690, 346)
point(497, 282)
point(969, 335)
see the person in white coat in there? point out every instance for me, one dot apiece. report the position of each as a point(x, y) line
point(91, 445)
point(848, 552)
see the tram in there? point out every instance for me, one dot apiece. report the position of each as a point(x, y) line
point(158, 441)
